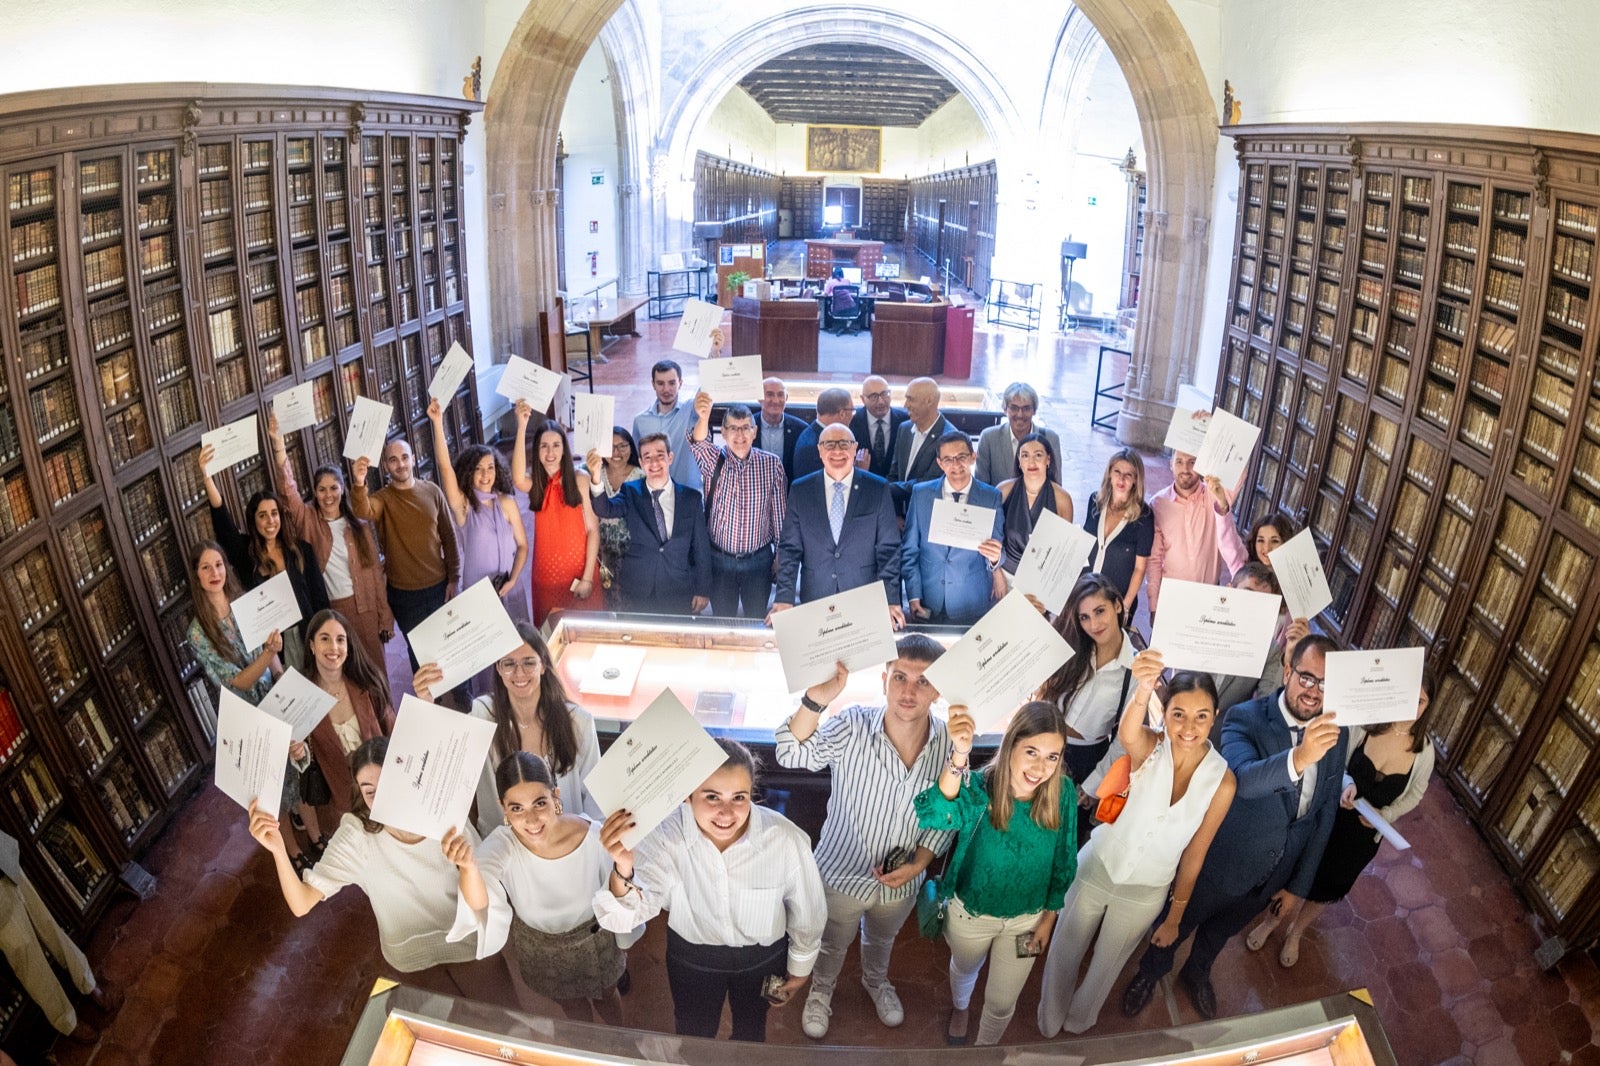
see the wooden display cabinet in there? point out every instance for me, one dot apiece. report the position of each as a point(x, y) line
point(1410, 324)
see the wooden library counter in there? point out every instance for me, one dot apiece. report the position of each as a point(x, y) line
point(782, 332)
point(908, 338)
point(823, 256)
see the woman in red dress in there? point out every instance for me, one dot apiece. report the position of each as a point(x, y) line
point(566, 534)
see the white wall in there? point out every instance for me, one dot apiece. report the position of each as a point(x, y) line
point(741, 130)
point(589, 132)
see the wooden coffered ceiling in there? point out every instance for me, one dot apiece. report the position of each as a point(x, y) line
point(848, 84)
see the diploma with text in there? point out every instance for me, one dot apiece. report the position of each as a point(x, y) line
point(654, 765)
point(435, 758)
point(1214, 628)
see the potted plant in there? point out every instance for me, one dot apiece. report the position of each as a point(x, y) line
point(736, 282)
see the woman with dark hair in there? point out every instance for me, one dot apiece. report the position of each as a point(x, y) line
point(489, 527)
point(1389, 767)
point(272, 546)
point(346, 547)
point(621, 467)
point(362, 709)
point(535, 879)
point(1123, 526)
point(1014, 857)
point(1091, 688)
point(1034, 475)
point(531, 712)
point(1178, 793)
point(410, 881)
point(1267, 536)
point(744, 901)
point(566, 534)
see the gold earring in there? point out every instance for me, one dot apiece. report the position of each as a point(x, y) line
point(558, 808)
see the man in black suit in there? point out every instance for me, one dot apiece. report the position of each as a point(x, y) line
point(916, 445)
point(833, 408)
point(1267, 849)
point(777, 431)
point(875, 424)
point(839, 532)
point(667, 568)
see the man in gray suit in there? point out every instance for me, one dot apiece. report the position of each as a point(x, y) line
point(997, 445)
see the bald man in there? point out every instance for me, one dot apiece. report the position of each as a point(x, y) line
point(875, 424)
point(916, 446)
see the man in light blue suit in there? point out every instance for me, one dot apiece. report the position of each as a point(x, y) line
point(946, 585)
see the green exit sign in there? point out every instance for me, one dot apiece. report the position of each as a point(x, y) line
point(597, 179)
point(1093, 200)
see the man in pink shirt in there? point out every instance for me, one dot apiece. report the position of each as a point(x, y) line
point(1195, 537)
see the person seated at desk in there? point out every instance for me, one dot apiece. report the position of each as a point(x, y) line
point(834, 281)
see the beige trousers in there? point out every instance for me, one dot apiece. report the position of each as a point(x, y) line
point(972, 938)
point(27, 931)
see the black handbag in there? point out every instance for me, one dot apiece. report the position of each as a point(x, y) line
point(314, 788)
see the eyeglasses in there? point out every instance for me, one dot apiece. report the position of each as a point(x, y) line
point(837, 445)
point(744, 427)
point(1020, 409)
point(955, 460)
point(528, 666)
point(880, 395)
point(1310, 680)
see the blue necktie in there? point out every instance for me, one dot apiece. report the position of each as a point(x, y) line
point(836, 511)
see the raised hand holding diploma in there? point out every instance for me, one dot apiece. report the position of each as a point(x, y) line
point(453, 370)
point(733, 379)
point(656, 762)
point(466, 635)
point(431, 772)
point(849, 627)
point(960, 525)
point(1300, 575)
point(694, 330)
point(294, 408)
point(234, 443)
point(296, 699)
point(1056, 554)
point(593, 415)
point(369, 428)
point(269, 606)
point(1002, 660)
point(1226, 452)
point(1187, 431)
point(1214, 628)
point(522, 380)
point(252, 753)
point(1372, 687)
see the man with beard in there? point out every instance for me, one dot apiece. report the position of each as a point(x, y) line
point(1191, 517)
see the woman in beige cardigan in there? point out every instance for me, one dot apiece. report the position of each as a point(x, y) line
point(345, 545)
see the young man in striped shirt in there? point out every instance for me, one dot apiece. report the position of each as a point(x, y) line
point(872, 854)
point(745, 495)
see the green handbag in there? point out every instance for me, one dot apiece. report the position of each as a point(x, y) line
point(931, 905)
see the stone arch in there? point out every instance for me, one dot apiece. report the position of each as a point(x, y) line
point(630, 61)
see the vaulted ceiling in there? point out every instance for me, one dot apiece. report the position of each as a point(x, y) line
point(848, 84)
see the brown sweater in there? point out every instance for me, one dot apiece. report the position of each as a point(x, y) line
point(416, 531)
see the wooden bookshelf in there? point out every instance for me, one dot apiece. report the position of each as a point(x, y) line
point(1411, 325)
point(165, 281)
point(1133, 239)
point(951, 222)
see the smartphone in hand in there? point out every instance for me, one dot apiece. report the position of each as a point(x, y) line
point(772, 990)
point(1026, 948)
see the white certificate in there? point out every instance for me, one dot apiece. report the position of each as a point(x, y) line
point(252, 753)
point(694, 329)
point(369, 428)
point(235, 442)
point(960, 525)
point(734, 379)
point(1372, 687)
point(1227, 447)
point(1001, 662)
point(1054, 559)
point(296, 699)
point(654, 765)
point(1187, 431)
point(1299, 571)
point(849, 627)
point(1384, 827)
point(270, 605)
point(295, 408)
point(1214, 628)
point(612, 670)
point(466, 635)
point(435, 759)
point(453, 370)
point(593, 417)
point(523, 380)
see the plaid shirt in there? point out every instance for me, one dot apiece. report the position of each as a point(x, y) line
point(747, 508)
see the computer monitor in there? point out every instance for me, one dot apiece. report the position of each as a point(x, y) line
point(888, 270)
point(852, 275)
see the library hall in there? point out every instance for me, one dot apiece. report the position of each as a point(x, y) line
point(1283, 747)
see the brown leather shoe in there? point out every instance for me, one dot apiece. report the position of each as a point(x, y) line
point(956, 1034)
point(106, 1000)
point(85, 1034)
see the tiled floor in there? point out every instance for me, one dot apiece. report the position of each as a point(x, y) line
point(217, 971)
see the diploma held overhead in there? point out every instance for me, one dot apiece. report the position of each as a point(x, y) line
point(466, 635)
point(1214, 628)
point(432, 768)
point(656, 762)
point(850, 627)
point(252, 753)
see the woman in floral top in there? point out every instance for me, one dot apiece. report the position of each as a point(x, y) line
point(1012, 862)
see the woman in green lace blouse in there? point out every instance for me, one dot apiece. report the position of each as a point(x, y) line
point(1013, 860)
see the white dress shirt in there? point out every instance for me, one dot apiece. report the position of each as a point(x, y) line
point(669, 498)
point(1307, 780)
point(763, 886)
point(1096, 707)
point(549, 895)
point(574, 797)
point(918, 436)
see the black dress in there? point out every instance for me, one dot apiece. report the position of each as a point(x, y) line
point(1352, 845)
point(1020, 519)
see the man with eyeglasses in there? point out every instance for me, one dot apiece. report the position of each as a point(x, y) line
point(839, 532)
point(667, 568)
point(946, 585)
point(1288, 756)
point(745, 496)
point(833, 409)
point(875, 424)
point(997, 445)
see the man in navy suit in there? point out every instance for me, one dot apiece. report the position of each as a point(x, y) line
point(839, 532)
point(1267, 849)
point(667, 569)
point(833, 408)
point(946, 585)
point(916, 447)
point(875, 424)
point(777, 431)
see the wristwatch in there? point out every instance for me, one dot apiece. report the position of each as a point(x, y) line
point(812, 705)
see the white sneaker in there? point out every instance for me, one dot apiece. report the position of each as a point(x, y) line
point(890, 1012)
point(815, 1015)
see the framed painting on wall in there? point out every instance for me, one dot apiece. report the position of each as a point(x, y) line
point(851, 149)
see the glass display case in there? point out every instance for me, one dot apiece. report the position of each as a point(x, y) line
point(405, 1025)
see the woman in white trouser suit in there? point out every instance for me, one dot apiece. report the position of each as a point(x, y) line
point(1180, 790)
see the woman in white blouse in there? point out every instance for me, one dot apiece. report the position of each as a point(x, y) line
point(409, 880)
point(744, 900)
point(535, 879)
point(530, 711)
point(1092, 687)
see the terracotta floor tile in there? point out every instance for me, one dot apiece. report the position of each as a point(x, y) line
point(1588, 1055)
point(1409, 886)
point(1371, 899)
point(1414, 987)
point(1502, 1052)
point(1570, 1027)
point(1427, 1037)
point(1391, 940)
point(1490, 954)
point(1470, 917)
point(1537, 1045)
point(1479, 1019)
point(1511, 999)
point(1433, 930)
point(1456, 974)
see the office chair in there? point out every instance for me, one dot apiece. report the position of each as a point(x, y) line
point(844, 309)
